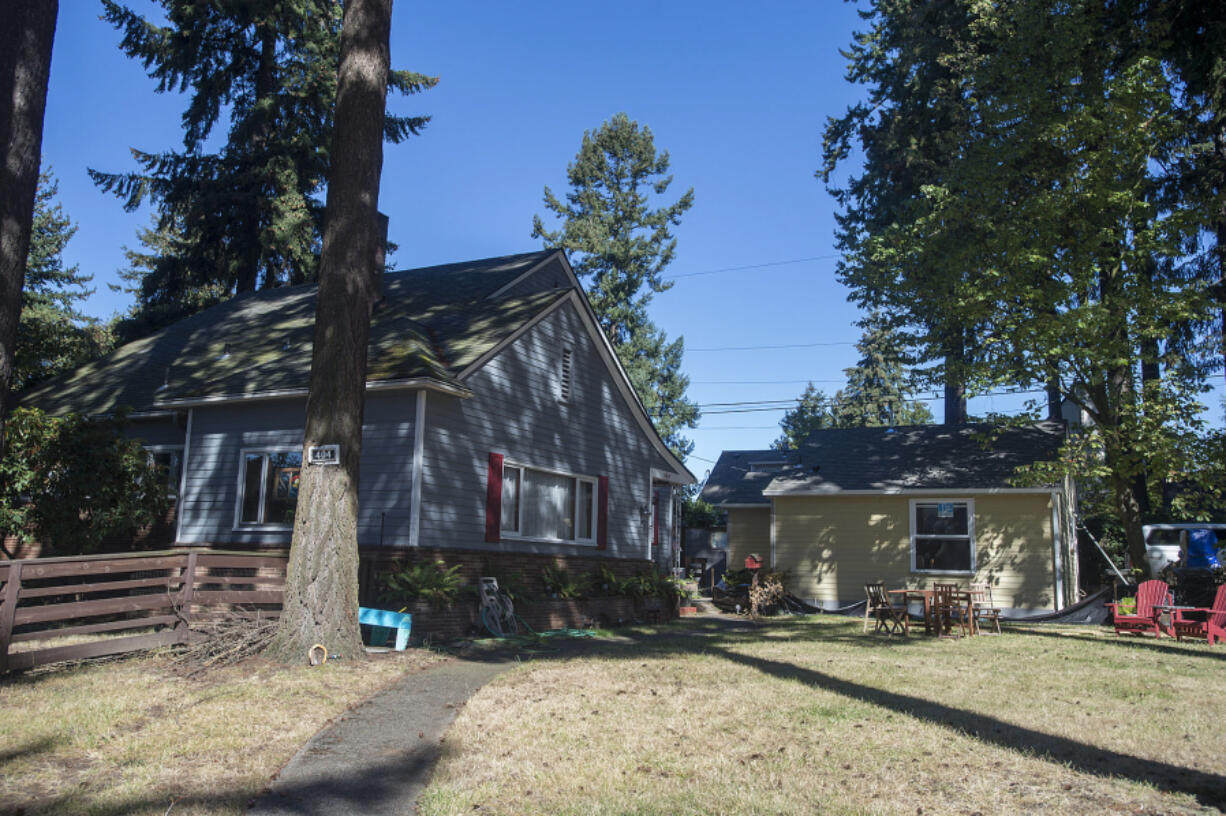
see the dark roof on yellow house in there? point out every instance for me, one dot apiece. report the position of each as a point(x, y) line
point(962, 458)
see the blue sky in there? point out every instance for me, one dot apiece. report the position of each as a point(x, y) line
point(737, 93)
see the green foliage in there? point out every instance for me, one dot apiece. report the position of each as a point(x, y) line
point(698, 513)
point(602, 583)
point(430, 581)
point(814, 413)
point(71, 483)
point(621, 246)
point(53, 336)
point(561, 584)
point(1022, 213)
point(1128, 606)
point(249, 214)
point(653, 584)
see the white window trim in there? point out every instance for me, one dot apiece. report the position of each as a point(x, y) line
point(239, 525)
point(519, 518)
point(970, 532)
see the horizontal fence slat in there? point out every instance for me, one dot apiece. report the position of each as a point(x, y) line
point(89, 609)
point(266, 580)
point(94, 628)
point(203, 597)
point(98, 648)
point(99, 586)
point(34, 570)
point(206, 560)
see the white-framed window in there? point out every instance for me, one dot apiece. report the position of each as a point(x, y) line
point(170, 459)
point(943, 535)
point(548, 505)
point(268, 488)
point(566, 374)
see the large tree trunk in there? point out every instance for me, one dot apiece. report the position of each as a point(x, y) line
point(955, 389)
point(265, 87)
point(321, 592)
point(26, 35)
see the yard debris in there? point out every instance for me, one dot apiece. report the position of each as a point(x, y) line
point(224, 642)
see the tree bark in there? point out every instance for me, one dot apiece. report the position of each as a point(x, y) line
point(955, 389)
point(26, 37)
point(321, 593)
point(265, 87)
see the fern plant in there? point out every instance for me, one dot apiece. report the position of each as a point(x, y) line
point(559, 583)
point(430, 581)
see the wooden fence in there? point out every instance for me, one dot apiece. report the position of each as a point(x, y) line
point(135, 601)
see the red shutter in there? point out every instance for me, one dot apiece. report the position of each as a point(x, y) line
point(493, 500)
point(602, 514)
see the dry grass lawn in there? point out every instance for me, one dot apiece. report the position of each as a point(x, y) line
point(812, 717)
point(133, 737)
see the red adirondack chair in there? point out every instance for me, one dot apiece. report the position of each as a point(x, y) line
point(1212, 628)
point(1149, 595)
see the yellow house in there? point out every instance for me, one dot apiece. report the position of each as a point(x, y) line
point(907, 506)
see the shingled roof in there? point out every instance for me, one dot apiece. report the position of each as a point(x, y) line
point(918, 457)
point(433, 323)
point(734, 479)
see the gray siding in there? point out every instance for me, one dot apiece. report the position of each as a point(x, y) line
point(516, 412)
point(221, 433)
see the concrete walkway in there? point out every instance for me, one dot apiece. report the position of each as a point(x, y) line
point(377, 759)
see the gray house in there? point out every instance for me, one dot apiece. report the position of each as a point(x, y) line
point(497, 420)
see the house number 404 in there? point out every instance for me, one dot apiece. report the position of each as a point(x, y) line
point(324, 455)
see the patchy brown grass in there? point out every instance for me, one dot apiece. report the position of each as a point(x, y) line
point(134, 737)
point(815, 717)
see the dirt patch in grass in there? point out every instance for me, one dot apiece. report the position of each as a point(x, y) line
point(815, 717)
point(133, 737)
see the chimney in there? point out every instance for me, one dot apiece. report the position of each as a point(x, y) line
point(380, 248)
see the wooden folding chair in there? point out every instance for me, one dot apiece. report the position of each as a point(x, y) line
point(983, 608)
point(950, 603)
point(890, 619)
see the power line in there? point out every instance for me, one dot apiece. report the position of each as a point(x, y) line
point(762, 382)
point(752, 266)
point(784, 346)
point(735, 428)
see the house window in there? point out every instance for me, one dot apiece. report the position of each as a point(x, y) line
point(548, 505)
point(268, 488)
point(170, 459)
point(565, 374)
point(943, 536)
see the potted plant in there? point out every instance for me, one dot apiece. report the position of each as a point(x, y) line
point(431, 582)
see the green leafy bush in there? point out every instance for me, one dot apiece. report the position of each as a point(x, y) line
point(560, 584)
point(431, 581)
point(602, 583)
point(1128, 606)
point(71, 482)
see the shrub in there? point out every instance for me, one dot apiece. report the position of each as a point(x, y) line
point(602, 583)
point(73, 482)
point(559, 583)
point(431, 581)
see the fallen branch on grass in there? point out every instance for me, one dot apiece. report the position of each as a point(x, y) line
point(224, 642)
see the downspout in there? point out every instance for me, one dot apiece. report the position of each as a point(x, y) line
point(1056, 538)
point(187, 447)
point(772, 561)
point(419, 433)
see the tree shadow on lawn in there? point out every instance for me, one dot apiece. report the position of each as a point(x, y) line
point(712, 638)
point(368, 788)
point(1166, 646)
point(33, 747)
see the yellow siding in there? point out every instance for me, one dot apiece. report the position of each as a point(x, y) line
point(833, 545)
point(749, 531)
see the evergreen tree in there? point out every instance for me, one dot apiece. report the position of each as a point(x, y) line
point(246, 216)
point(813, 413)
point(321, 583)
point(26, 39)
point(52, 336)
point(620, 247)
point(1053, 206)
point(877, 387)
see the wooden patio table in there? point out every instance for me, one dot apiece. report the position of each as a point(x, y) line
point(924, 595)
point(961, 597)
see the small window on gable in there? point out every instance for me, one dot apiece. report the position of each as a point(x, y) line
point(767, 467)
point(566, 374)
